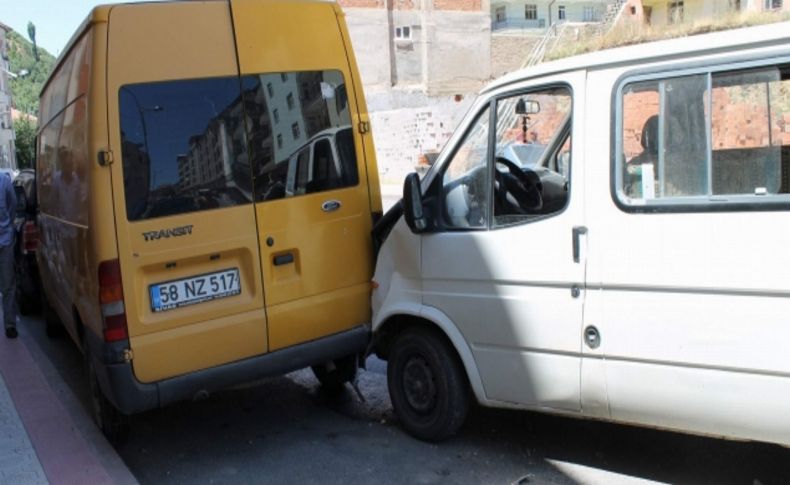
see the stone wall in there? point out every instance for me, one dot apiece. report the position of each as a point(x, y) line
point(419, 124)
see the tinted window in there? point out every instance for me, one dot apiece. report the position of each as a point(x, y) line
point(300, 133)
point(184, 146)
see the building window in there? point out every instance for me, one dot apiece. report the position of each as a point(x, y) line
point(530, 11)
point(276, 115)
point(675, 12)
point(295, 130)
point(279, 141)
point(501, 14)
point(284, 77)
point(290, 100)
point(561, 12)
point(735, 5)
point(589, 14)
point(773, 4)
point(403, 33)
point(270, 89)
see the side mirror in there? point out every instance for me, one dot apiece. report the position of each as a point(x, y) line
point(527, 107)
point(412, 204)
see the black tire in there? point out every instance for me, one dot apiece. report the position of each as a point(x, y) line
point(427, 385)
point(51, 319)
point(24, 304)
point(112, 422)
point(334, 377)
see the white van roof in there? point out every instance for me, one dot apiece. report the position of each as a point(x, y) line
point(721, 41)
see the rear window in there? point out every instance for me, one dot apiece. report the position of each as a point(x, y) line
point(200, 144)
point(183, 147)
point(301, 138)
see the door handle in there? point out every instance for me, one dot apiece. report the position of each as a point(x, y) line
point(282, 259)
point(578, 231)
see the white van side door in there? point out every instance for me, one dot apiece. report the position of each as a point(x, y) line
point(692, 248)
point(506, 266)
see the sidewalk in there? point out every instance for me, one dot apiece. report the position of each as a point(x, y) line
point(46, 436)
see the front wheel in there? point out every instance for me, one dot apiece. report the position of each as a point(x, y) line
point(427, 385)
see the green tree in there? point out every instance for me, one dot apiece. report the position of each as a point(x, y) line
point(31, 74)
point(31, 32)
point(25, 130)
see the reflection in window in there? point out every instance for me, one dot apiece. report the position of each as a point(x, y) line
point(318, 154)
point(183, 147)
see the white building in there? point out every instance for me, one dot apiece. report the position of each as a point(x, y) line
point(7, 149)
point(540, 14)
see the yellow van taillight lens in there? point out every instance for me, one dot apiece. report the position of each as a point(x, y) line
point(111, 300)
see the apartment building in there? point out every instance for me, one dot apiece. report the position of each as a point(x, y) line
point(540, 14)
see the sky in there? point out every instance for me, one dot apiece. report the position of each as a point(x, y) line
point(55, 20)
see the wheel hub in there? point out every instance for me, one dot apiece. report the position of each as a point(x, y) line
point(419, 385)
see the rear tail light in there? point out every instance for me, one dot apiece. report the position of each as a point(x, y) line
point(29, 237)
point(111, 300)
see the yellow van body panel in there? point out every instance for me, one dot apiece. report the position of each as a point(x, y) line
point(327, 288)
point(65, 178)
point(187, 40)
point(102, 245)
point(366, 135)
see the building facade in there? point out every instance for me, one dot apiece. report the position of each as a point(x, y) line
point(436, 46)
point(7, 148)
point(670, 12)
point(540, 14)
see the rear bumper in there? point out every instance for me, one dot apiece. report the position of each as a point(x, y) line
point(122, 388)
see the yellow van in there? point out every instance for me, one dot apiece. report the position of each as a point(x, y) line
point(174, 248)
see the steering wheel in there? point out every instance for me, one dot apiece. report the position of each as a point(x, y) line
point(523, 185)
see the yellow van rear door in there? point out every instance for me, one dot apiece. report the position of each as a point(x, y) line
point(309, 173)
point(182, 189)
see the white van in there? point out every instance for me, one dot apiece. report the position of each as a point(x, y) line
point(639, 272)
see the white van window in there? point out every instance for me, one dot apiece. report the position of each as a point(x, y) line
point(310, 115)
point(183, 146)
point(465, 185)
point(532, 155)
point(705, 139)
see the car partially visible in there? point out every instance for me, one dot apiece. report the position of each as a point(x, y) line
point(27, 277)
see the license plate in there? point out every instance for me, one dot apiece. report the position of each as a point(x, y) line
point(194, 290)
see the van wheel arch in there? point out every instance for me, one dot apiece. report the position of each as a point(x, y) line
point(388, 332)
point(426, 378)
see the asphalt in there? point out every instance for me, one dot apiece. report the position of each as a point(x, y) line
point(45, 434)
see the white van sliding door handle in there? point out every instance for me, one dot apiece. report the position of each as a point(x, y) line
point(578, 232)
